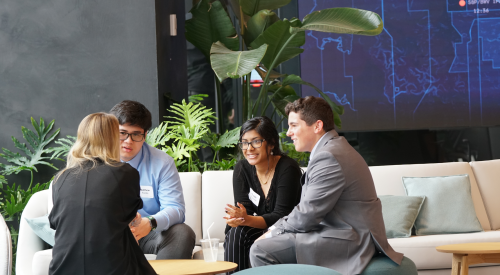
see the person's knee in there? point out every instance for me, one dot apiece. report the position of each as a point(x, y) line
point(256, 254)
point(181, 232)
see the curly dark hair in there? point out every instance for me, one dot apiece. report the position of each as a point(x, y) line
point(312, 109)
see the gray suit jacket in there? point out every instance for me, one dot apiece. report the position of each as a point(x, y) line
point(338, 223)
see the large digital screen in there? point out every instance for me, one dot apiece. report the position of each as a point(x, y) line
point(435, 65)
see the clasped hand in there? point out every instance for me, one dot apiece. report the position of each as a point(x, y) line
point(140, 227)
point(235, 215)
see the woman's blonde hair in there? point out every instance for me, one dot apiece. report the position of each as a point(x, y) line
point(98, 138)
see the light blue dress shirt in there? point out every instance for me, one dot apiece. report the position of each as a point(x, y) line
point(157, 169)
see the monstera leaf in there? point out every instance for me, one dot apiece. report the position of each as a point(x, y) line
point(211, 23)
point(251, 7)
point(63, 149)
point(227, 63)
point(178, 151)
point(190, 115)
point(279, 39)
point(35, 156)
point(342, 20)
point(158, 136)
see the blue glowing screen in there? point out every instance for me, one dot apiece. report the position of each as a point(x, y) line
point(435, 65)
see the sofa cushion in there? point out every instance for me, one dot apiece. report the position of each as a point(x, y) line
point(191, 188)
point(217, 191)
point(448, 206)
point(487, 174)
point(422, 249)
point(388, 181)
point(400, 213)
point(41, 262)
point(42, 229)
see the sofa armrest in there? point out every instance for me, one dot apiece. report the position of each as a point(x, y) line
point(28, 242)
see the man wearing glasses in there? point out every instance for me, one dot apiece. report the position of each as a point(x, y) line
point(161, 229)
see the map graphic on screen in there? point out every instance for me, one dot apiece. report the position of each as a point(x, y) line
point(435, 65)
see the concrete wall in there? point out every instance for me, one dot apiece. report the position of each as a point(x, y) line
point(64, 59)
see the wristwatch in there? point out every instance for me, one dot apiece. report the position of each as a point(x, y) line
point(152, 222)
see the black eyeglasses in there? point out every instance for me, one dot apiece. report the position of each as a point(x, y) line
point(135, 137)
point(257, 143)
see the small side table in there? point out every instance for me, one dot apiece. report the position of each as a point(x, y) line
point(469, 254)
point(191, 267)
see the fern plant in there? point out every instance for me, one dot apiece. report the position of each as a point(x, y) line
point(158, 136)
point(17, 198)
point(34, 156)
point(216, 142)
point(63, 149)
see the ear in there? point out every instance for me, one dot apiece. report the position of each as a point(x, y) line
point(318, 127)
point(145, 134)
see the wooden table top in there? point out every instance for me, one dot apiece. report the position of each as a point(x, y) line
point(470, 248)
point(198, 267)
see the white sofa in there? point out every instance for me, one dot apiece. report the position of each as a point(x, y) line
point(207, 194)
point(5, 249)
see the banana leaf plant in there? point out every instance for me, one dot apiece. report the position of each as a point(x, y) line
point(267, 41)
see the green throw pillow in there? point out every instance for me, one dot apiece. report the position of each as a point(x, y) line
point(448, 206)
point(400, 213)
point(42, 229)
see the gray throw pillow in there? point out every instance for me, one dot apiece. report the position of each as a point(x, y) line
point(400, 213)
point(448, 206)
point(42, 229)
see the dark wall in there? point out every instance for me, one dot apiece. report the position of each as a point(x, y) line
point(64, 59)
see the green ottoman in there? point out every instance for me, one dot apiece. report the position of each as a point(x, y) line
point(288, 269)
point(382, 265)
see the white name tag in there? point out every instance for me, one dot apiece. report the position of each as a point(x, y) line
point(147, 192)
point(254, 197)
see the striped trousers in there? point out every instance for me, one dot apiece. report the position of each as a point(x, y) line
point(237, 245)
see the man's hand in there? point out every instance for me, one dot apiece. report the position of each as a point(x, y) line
point(142, 229)
point(263, 236)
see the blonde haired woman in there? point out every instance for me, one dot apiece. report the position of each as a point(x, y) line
point(95, 198)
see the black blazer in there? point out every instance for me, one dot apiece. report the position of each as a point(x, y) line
point(92, 210)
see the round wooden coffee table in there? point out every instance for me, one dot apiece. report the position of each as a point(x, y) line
point(191, 267)
point(471, 253)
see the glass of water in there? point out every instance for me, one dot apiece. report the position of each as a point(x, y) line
point(210, 249)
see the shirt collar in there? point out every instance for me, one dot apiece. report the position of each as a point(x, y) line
point(134, 162)
point(316, 145)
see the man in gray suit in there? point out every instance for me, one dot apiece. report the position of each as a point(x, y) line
point(338, 223)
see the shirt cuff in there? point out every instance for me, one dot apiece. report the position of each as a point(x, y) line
point(167, 218)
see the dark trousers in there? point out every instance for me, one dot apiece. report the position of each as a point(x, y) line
point(175, 243)
point(237, 245)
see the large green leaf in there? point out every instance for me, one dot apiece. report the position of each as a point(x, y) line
point(276, 36)
point(342, 20)
point(65, 145)
point(210, 23)
point(37, 141)
point(281, 97)
point(262, 71)
point(158, 136)
point(337, 110)
point(258, 24)
point(234, 64)
point(251, 7)
point(190, 115)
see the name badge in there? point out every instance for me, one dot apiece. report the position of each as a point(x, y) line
point(147, 192)
point(254, 197)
